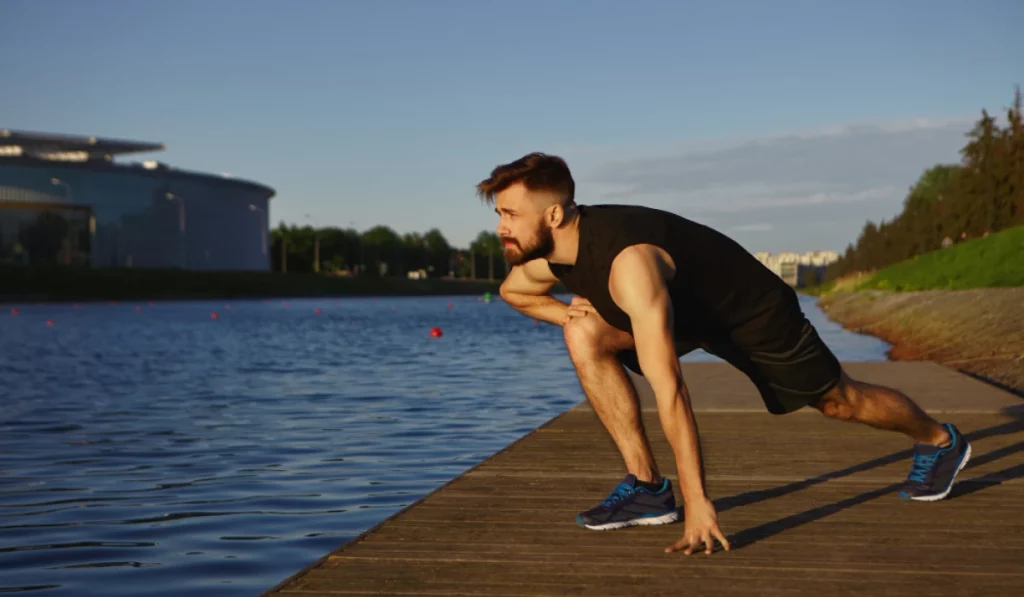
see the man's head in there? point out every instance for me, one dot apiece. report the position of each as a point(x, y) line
point(533, 196)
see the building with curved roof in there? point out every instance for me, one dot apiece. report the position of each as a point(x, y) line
point(64, 200)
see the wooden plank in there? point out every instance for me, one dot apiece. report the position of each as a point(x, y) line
point(718, 387)
point(809, 505)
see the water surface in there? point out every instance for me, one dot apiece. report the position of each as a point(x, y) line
point(152, 450)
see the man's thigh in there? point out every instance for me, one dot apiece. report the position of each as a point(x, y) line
point(794, 374)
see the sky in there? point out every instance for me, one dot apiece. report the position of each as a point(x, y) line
point(785, 124)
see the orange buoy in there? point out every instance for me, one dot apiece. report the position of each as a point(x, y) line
point(138, 308)
point(436, 332)
point(49, 323)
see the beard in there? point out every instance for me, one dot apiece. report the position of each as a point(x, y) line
point(541, 247)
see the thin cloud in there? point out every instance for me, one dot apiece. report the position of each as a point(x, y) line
point(808, 189)
point(849, 163)
point(758, 227)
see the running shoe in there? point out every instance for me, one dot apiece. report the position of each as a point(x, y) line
point(631, 505)
point(935, 469)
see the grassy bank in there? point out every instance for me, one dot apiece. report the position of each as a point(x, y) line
point(959, 306)
point(996, 261)
point(84, 284)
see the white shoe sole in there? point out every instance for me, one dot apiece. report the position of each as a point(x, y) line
point(666, 518)
point(939, 496)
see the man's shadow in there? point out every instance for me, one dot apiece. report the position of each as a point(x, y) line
point(962, 488)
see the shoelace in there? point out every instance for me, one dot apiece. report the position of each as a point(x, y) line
point(922, 467)
point(622, 491)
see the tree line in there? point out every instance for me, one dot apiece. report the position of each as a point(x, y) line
point(950, 203)
point(381, 251)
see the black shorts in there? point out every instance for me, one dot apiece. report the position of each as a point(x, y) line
point(793, 376)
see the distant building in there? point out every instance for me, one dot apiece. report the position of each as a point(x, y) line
point(789, 266)
point(63, 200)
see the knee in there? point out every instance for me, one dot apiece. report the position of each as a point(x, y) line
point(841, 402)
point(582, 338)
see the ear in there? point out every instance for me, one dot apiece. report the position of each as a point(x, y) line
point(555, 215)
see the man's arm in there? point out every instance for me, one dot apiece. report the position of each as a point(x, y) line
point(527, 288)
point(639, 286)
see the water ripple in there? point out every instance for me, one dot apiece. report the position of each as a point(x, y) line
point(222, 456)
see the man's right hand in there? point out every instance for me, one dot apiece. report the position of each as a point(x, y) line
point(527, 288)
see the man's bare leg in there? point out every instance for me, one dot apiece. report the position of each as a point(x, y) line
point(593, 345)
point(940, 452)
point(883, 408)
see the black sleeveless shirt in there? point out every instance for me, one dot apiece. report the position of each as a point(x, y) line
point(719, 289)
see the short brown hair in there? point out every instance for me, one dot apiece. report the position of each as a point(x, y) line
point(537, 171)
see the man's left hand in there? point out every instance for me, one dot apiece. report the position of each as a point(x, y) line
point(701, 528)
point(579, 307)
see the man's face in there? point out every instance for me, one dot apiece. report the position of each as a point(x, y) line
point(524, 234)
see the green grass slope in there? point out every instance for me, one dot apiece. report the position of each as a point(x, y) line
point(994, 261)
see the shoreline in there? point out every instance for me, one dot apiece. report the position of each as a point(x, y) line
point(54, 285)
point(978, 332)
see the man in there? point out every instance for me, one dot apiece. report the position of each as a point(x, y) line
point(651, 286)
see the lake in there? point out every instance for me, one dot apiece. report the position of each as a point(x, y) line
point(152, 449)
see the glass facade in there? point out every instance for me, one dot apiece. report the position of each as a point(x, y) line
point(109, 215)
point(49, 235)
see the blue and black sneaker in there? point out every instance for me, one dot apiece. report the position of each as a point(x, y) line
point(934, 469)
point(632, 505)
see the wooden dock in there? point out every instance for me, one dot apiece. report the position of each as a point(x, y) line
point(809, 505)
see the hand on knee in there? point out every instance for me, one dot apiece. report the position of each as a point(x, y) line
point(581, 338)
point(589, 337)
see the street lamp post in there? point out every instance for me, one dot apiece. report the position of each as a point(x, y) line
point(262, 228)
point(58, 182)
point(92, 227)
point(182, 250)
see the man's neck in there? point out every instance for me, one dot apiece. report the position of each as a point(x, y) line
point(567, 243)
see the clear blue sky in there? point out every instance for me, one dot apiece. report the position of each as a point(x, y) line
point(389, 112)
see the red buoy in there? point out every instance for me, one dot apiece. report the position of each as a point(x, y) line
point(214, 315)
point(49, 323)
point(14, 311)
point(317, 311)
point(436, 332)
point(138, 308)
